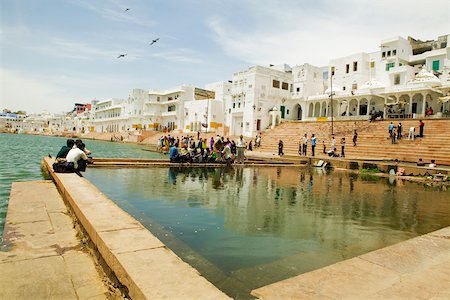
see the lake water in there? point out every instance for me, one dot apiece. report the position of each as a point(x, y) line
point(22, 154)
point(243, 228)
point(247, 227)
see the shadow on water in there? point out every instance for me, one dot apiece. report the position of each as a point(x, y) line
point(245, 227)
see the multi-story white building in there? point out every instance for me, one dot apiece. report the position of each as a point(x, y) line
point(109, 116)
point(206, 112)
point(11, 122)
point(403, 78)
point(254, 93)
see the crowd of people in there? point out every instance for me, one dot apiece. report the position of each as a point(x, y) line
point(187, 149)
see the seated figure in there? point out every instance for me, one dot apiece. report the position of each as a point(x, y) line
point(65, 149)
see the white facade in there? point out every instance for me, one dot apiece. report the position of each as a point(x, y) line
point(11, 122)
point(403, 78)
point(109, 116)
point(254, 93)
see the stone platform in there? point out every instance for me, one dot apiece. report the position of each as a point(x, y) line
point(42, 257)
point(418, 268)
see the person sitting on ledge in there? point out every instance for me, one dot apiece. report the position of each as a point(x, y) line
point(78, 157)
point(174, 156)
point(420, 163)
point(65, 149)
point(432, 164)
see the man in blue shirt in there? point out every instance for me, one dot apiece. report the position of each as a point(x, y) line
point(313, 144)
point(391, 129)
point(174, 157)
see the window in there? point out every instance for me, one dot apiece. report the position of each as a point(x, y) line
point(343, 88)
point(276, 84)
point(394, 52)
point(234, 105)
point(389, 53)
point(287, 111)
point(435, 65)
point(298, 90)
point(383, 54)
point(285, 86)
point(229, 110)
point(354, 86)
point(397, 79)
point(347, 68)
point(332, 71)
point(355, 66)
point(372, 64)
point(389, 66)
point(250, 86)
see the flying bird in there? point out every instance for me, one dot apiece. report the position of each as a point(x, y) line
point(154, 41)
point(121, 55)
point(127, 9)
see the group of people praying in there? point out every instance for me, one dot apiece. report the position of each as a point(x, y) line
point(215, 150)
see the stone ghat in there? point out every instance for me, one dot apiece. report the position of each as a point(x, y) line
point(140, 261)
point(418, 268)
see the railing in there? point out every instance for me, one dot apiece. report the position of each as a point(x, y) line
point(400, 116)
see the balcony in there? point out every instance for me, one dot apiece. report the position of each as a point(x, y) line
point(399, 69)
point(169, 113)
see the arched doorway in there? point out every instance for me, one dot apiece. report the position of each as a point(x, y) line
point(353, 106)
point(417, 103)
point(363, 107)
point(317, 110)
point(310, 110)
point(298, 111)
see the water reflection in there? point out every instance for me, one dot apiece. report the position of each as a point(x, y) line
point(260, 225)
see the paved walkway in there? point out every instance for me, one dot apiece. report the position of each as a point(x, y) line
point(42, 258)
point(418, 268)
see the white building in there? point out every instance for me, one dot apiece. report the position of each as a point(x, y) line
point(109, 116)
point(206, 112)
point(402, 79)
point(255, 92)
point(11, 122)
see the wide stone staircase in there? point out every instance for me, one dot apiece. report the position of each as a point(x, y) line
point(373, 139)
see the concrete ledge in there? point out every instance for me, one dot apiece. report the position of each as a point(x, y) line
point(138, 259)
point(43, 259)
point(418, 268)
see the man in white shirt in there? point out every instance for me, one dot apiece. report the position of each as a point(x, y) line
point(305, 144)
point(75, 155)
point(240, 145)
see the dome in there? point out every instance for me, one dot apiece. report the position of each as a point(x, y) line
point(373, 84)
point(425, 77)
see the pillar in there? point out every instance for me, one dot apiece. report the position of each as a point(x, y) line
point(424, 101)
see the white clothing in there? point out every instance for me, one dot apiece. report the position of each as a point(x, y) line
point(75, 155)
point(411, 133)
point(240, 143)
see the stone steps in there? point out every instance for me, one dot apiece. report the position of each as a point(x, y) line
point(373, 141)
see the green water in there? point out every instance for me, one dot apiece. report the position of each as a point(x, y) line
point(22, 154)
point(243, 228)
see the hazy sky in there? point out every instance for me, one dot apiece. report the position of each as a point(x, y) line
point(57, 52)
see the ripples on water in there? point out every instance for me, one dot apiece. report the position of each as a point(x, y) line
point(22, 154)
point(247, 227)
